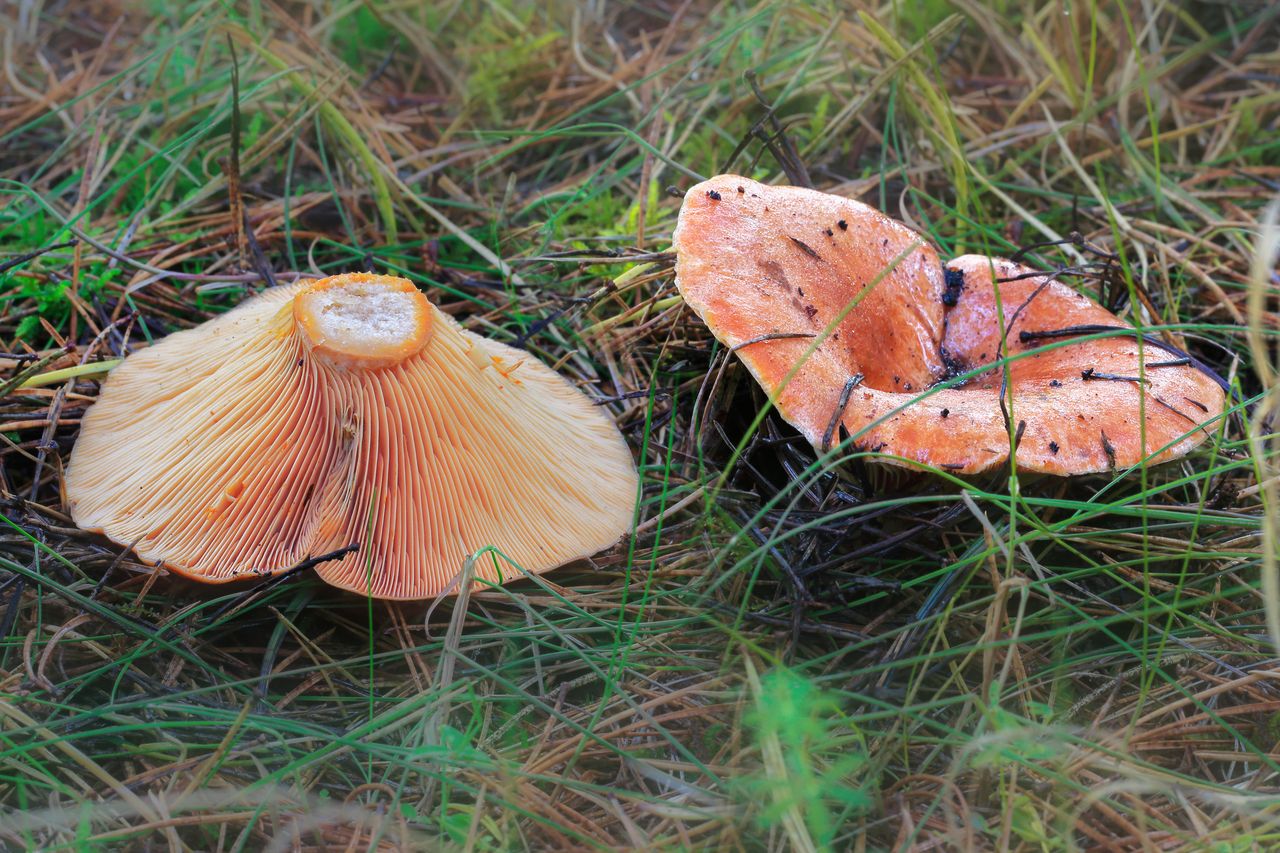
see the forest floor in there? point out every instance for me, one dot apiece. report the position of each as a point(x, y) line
point(817, 658)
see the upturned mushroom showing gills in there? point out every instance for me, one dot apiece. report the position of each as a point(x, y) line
point(849, 320)
point(343, 411)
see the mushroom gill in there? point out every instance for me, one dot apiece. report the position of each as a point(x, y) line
point(348, 410)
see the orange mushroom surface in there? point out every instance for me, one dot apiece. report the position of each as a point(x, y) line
point(344, 411)
point(849, 322)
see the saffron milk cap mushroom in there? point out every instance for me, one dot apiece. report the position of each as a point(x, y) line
point(348, 410)
point(848, 319)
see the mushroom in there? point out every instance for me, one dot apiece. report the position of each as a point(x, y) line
point(348, 410)
point(848, 320)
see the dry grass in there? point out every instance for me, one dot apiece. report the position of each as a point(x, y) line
point(820, 657)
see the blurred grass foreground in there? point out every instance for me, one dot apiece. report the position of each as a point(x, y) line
point(787, 655)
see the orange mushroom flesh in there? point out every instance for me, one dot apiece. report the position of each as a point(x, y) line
point(348, 410)
point(847, 320)
point(362, 320)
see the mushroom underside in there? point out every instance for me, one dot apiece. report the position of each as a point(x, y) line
point(242, 448)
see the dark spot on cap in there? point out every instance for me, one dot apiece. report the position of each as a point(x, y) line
point(1054, 383)
point(842, 225)
point(954, 280)
point(829, 232)
point(1053, 448)
point(713, 195)
point(776, 274)
point(946, 412)
point(741, 190)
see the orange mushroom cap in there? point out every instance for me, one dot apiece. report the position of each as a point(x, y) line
point(348, 410)
point(756, 262)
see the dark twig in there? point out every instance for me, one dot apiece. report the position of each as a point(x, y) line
point(1075, 238)
point(382, 67)
point(852, 382)
point(1194, 422)
point(1108, 449)
point(774, 336)
point(799, 594)
point(803, 626)
point(1017, 256)
point(102, 581)
point(806, 248)
point(1083, 270)
point(243, 600)
point(1089, 373)
point(11, 609)
point(255, 250)
point(1258, 179)
point(522, 340)
point(644, 393)
point(30, 256)
point(32, 368)
point(575, 256)
point(785, 151)
point(238, 219)
point(1096, 328)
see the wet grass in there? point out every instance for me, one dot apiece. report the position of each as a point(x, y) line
point(823, 655)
